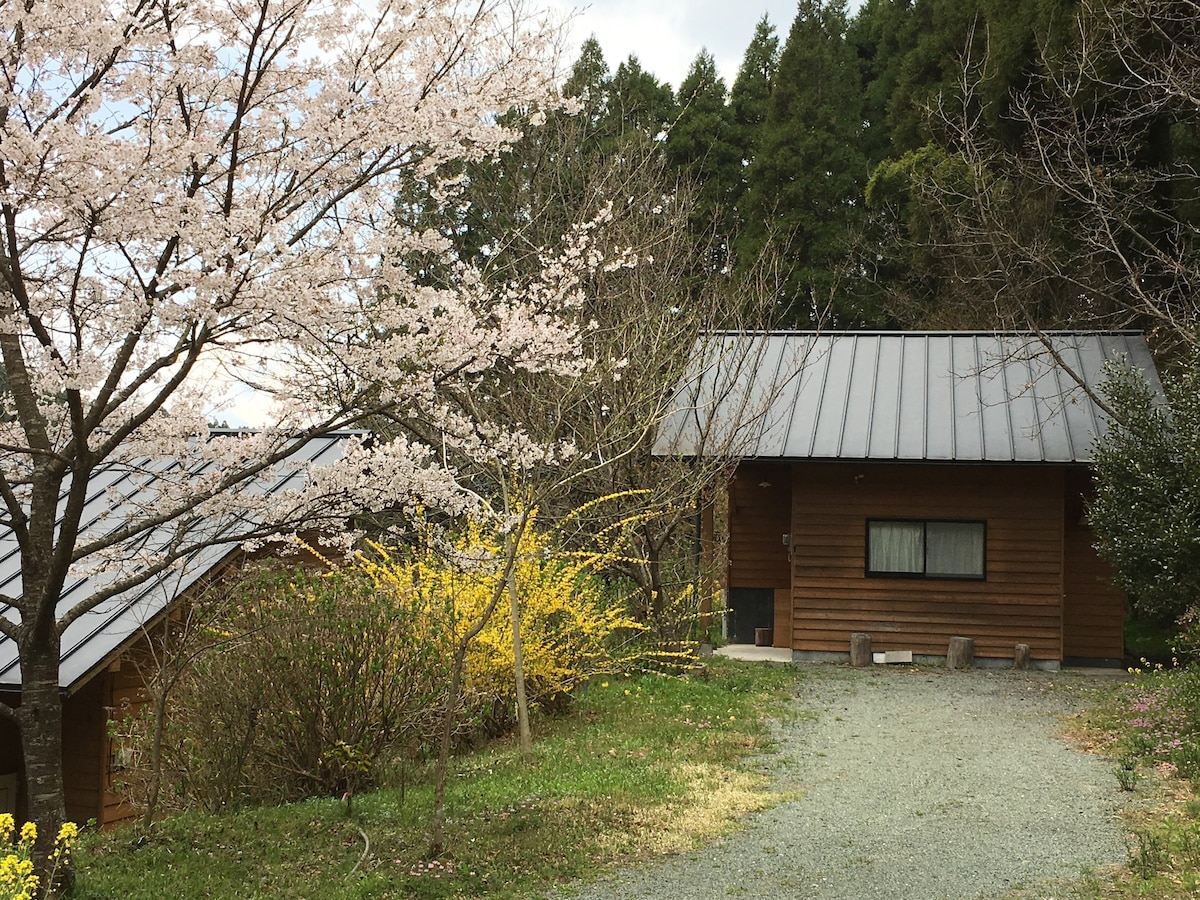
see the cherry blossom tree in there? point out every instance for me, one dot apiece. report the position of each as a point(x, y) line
point(201, 195)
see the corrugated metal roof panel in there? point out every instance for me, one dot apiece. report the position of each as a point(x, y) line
point(859, 407)
point(831, 411)
point(966, 417)
point(810, 366)
point(911, 423)
point(938, 396)
point(883, 439)
point(770, 434)
point(99, 634)
point(940, 378)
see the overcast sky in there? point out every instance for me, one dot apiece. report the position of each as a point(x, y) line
point(666, 35)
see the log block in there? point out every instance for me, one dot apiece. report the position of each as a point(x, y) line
point(860, 649)
point(1021, 657)
point(961, 654)
point(764, 637)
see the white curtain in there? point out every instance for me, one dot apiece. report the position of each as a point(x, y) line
point(954, 548)
point(896, 547)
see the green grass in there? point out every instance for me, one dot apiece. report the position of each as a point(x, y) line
point(642, 765)
point(1163, 820)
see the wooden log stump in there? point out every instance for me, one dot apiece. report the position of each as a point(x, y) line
point(1021, 657)
point(860, 649)
point(764, 637)
point(961, 654)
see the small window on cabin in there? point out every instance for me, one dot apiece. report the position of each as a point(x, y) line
point(907, 548)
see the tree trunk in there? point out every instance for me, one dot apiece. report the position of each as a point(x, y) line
point(437, 826)
point(40, 719)
point(156, 741)
point(526, 735)
point(658, 603)
point(707, 582)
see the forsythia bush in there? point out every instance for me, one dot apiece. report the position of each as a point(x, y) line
point(573, 625)
point(314, 683)
point(18, 881)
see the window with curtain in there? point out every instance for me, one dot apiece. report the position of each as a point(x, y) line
point(926, 549)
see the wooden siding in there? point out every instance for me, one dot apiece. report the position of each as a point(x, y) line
point(85, 724)
point(1020, 601)
point(1093, 607)
point(782, 632)
point(127, 696)
point(760, 499)
point(90, 780)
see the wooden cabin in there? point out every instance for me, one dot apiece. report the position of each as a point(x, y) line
point(914, 487)
point(92, 767)
point(106, 651)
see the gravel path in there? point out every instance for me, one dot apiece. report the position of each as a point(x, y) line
point(920, 784)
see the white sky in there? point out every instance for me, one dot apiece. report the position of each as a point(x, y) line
point(666, 35)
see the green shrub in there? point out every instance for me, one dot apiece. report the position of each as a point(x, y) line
point(319, 684)
point(313, 683)
point(1146, 512)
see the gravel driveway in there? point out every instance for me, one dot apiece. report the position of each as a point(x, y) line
point(918, 784)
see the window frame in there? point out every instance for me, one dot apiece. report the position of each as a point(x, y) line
point(923, 574)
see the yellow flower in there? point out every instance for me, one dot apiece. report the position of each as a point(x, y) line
point(29, 832)
point(604, 684)
point(6, 826)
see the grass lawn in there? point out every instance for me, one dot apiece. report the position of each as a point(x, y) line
point(1163, 821)
point(643, 764)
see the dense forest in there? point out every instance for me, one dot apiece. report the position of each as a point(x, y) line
point(920, 164)
point(951, 164)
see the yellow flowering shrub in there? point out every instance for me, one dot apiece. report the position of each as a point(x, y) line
point(318, 683)
point(573, 625)
point(18, 881)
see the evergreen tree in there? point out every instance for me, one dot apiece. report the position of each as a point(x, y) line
point(587, 83)
point(588, 80)
point(637, 103)
point(699, 146)
point(933, 72)
point(807, 175)
point(1146, 511)
point(882, 34)
point(750, 96)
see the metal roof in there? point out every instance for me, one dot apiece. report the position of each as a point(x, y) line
point(933, 396)
point(99, 635)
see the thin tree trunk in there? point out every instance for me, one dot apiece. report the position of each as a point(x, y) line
point(526, 735)
point(438, 823)
point(166, 680)
point(160, 715)
point(437, 826)
point(658, 600)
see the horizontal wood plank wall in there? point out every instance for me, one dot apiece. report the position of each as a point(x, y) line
point(782, 632)
point(1093, 607)
point(760, 506)
point(85, 723)
point(127, 696)
point(1019, 602)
